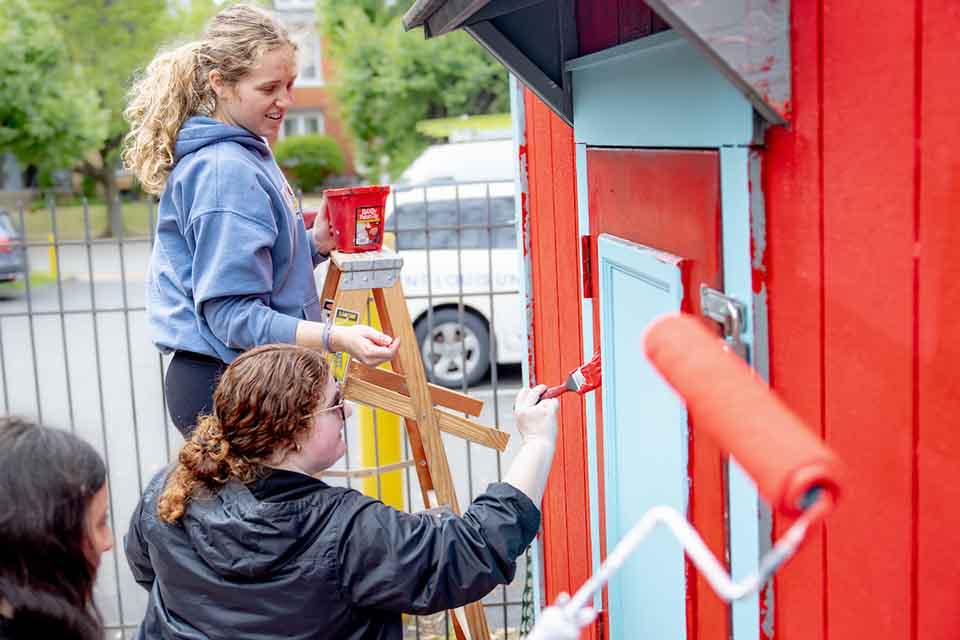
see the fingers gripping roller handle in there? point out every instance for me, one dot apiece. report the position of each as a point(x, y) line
point(725, 398)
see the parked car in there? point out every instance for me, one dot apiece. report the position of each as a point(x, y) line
point(13, 262)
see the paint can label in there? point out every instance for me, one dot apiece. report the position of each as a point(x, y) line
point(369, 224)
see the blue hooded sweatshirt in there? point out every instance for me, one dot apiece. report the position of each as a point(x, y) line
point(232, 265)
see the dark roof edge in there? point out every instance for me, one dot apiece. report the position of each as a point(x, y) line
point(418, 14)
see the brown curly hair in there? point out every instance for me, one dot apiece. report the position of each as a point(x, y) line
point(263, 403)
point(175, 86)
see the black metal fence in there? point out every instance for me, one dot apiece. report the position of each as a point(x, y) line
point(75, 353)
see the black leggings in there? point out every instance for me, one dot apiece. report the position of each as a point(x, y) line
point(189, 384)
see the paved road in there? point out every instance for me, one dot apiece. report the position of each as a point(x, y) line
point(98, 374)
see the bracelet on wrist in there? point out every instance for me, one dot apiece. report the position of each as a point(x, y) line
point(325, 336)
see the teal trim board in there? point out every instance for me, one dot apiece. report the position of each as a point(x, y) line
point(743, 506)
point(645, 440)
point(589, 348)
point(658, 91)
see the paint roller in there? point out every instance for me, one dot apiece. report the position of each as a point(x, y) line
point(725, 400)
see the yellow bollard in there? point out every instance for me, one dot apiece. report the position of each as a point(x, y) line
point(52, 256)
point(381, 442)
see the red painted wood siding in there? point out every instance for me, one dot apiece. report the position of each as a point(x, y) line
point(558, 340)
point(861, 197)
point(937, 432)
point(606, 23)
point(862, 194)
point(792, 174)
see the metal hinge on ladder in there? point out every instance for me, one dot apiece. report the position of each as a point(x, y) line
point(586, 266)
point(729, 312)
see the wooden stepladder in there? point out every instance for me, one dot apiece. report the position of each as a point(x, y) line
point(405, 391)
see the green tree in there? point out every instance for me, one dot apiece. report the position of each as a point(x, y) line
point(48, 117)
point(109, 40)
point(309, 160)
point(386, 80)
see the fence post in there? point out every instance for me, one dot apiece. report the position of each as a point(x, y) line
point(52, 256)
point(381, 442)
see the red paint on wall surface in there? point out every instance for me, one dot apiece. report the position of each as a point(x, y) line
point(524, 218)
point(861, 192)
point(937, 324)
point(674, 206)
point(857, 220)
point(554, 239)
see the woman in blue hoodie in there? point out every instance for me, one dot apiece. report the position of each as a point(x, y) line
point(232, 265)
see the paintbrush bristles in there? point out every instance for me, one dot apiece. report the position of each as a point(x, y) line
point(585, 377)
point(591, 374)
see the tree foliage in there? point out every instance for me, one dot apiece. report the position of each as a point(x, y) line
point(387, 80)
point(108, 41)
point(49, 117)
point(309, 160)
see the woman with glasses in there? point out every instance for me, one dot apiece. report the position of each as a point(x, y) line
point(240, 539)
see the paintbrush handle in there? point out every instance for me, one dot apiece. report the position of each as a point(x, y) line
point(553, 392)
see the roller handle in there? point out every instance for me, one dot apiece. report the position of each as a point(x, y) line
point(728, 401)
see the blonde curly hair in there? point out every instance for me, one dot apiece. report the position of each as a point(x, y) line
point(263, 404)
point(175, 86)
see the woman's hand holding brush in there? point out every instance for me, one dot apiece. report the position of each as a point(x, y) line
point(537, 424)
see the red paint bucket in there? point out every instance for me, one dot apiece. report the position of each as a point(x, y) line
point(356, 217)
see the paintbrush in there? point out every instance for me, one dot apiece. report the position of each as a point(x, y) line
point(584, 378)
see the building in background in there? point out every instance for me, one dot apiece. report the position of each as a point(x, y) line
point(314, 108)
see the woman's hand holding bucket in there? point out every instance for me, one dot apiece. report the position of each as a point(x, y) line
point(321, 234)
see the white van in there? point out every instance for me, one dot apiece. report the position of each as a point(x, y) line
point(461, 276)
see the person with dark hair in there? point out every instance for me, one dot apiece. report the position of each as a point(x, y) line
point(53, 530)
point(240, 539)
point(233, 265)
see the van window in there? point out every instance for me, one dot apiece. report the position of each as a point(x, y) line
point(478, 223)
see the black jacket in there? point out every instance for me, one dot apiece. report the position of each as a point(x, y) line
point(289, 556)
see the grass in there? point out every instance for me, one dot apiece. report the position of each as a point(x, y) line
point(443, 127)
point(70, 221)
point(37, 279)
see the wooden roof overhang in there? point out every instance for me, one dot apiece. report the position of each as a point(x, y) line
point(748, 41)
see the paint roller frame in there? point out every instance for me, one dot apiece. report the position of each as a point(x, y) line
point(726, 400)
point(808, 490)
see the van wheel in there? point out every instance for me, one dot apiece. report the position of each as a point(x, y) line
point(453, 352)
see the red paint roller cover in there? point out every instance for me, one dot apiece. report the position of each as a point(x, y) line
point(726, 399)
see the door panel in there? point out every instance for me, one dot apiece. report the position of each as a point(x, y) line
point(668, 201)
point(642, 447)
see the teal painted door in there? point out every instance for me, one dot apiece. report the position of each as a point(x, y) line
point(645, 439)
point(655, 215)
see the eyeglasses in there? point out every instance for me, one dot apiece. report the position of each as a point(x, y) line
point(340, 406)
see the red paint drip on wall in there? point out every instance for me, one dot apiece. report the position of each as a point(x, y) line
point(524, 220)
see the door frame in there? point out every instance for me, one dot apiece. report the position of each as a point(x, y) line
point(718, 118)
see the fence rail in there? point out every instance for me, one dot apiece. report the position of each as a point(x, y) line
point(75, 353)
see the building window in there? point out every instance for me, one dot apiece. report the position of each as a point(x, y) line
point(302, 123)
point(310, 72)
point(294, 5)
point(304, 34)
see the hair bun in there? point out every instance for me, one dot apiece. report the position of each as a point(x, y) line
point(206, 454)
